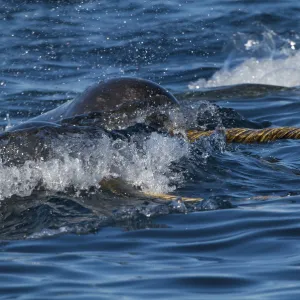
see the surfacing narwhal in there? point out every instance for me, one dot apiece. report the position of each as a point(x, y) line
point(111, 97)
point(118, 95)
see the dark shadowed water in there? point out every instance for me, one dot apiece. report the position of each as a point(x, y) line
point(63, 238)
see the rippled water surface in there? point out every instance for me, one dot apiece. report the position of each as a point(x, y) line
point(230, 64)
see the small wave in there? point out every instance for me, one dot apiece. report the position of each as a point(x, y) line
point(257, 61)
point(83, 163)
point(130, 217)
point(280, 72)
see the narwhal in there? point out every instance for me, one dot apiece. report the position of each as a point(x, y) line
point(109, 97)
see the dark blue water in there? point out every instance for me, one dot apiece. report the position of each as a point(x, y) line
point(63, 238)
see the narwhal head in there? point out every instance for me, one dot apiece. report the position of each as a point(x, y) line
point(124, 101)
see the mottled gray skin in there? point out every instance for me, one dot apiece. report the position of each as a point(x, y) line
point(107, 96)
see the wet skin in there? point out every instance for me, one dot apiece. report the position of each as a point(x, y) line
point(114, 95)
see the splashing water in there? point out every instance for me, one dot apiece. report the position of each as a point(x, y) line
point(257, 60)
point(149, 167)
point(9, 125)
point(280, 72)
point(57, 159)
point(82, 164)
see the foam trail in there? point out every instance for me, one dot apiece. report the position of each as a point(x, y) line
point(270, 71)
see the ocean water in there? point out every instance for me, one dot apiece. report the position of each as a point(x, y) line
point(230, 64)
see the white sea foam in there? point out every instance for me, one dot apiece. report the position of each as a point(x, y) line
point(83, 164)
point(279, 70)
point(50, 232)
point(149, 167)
